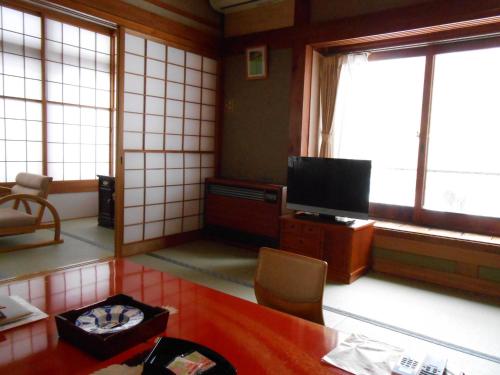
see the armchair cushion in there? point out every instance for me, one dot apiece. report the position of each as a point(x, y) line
point(13, 218)
point(33, 184)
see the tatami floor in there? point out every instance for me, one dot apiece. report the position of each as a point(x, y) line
point(415, 316)
point(84, 242)
point(412, 315)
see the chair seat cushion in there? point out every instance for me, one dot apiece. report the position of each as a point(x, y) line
point(14, 218)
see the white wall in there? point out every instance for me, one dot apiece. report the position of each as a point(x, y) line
point(74, 205)
point(69, 205)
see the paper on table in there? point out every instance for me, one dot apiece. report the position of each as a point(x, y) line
point(36, 314)
point(11, 310)
point(361, 355)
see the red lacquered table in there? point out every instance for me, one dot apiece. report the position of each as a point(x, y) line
point(255, 339)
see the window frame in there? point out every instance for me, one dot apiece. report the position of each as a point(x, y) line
point(417, 214)
point(70, 186)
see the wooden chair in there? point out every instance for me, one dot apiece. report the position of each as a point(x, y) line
point(29, 188)
point(291, 283)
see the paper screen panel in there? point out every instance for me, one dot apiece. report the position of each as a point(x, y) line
point(77, 64)
point(20, 94)
point(169, 116)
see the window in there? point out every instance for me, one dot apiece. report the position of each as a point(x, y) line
point(463, 169)
point(55, 98)
point(379, 120)
point(20, 94)
point(78, 96)
point(428, 119)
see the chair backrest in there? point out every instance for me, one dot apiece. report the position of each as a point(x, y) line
point(33, 184)
point(291, 283)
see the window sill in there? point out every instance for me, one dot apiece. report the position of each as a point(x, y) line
point(79, 186)
point(410, 231)
point(459, 260)
point(61, 187)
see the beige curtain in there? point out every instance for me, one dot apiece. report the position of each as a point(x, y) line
point(329, 76)
point(314, 115)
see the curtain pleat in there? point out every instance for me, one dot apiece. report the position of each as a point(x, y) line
point(330, 69)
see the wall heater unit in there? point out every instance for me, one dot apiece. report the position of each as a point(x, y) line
point(244, 211)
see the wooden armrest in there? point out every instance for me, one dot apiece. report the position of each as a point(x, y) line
point(32, 198)
point(5, 190)
point(25, 197)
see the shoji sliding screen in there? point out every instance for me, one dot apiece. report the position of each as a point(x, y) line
point(77, 66)
point(20, 94)
point(55, 96)
point(168, 113)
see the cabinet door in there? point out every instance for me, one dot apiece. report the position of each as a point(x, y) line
point(338, 250)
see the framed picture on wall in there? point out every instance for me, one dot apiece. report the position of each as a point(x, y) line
point(256, 62)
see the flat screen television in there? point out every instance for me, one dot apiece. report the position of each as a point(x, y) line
point(332, 187)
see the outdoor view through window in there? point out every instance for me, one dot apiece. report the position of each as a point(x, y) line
point(379, 114)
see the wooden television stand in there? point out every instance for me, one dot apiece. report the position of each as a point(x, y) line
point(346, 248)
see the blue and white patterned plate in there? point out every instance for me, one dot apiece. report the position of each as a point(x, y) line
point(109, 319)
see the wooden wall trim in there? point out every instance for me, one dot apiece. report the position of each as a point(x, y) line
point(268, 16)
point(302, 15)
point(61, 187)
point(297, 140)
point(274, 39)
point(420, 36)
point(33, 8)
point(119, 167)
point(159, 243)
point(183, 13)
point(447, 279)
point(431, 15)
point(81, 186)
point(219, 119)
point(149, 23)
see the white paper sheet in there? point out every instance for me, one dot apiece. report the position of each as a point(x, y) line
point(361, 355)
point(36, 314)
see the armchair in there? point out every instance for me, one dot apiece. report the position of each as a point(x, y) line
point(29, 188)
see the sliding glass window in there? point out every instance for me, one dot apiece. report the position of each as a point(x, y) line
point(463, 169)
point(378, 118)
point(429, 120)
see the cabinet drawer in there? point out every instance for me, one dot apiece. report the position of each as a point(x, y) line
point(312, 231)
point(302, 229)
point(302, 245)
point(291, 226)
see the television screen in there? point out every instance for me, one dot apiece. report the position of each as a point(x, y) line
point(335, 187)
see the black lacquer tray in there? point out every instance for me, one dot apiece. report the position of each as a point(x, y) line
point(104, 346)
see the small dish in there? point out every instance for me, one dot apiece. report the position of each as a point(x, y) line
point(109, 319)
